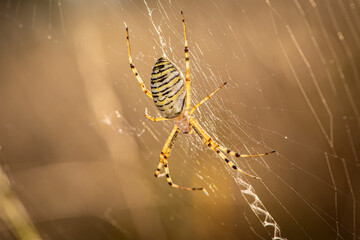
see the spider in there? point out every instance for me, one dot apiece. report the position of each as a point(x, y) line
point(170, 92)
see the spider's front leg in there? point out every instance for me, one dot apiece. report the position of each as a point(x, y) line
point(216, 148)
point(165, 153)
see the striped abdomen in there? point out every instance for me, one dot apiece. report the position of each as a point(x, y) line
point(168, 88)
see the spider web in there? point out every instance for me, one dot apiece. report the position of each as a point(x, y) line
point(87, 150)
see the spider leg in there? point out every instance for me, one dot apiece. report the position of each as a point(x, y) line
point(154, 119)
point(232, 153)
point(172, 184)
point(167, 148)
point(158, 169)
point(215, 147)
point(187, 63)
point(235, 154)
point(132, 66)
point(205, 99)
point(163, 162)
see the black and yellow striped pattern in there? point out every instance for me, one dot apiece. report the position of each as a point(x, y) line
point(168, 88)
point(171, 94)
point(218, 148)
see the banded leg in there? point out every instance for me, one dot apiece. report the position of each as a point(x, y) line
point(187, 63)
point(172, 184)
point(165, 152)
point(235, 154)
point(215, 147)
point(232, 153)
point(205, 99)
point(154, 119)
point(132, 66)
point(163, 162)
point(158, 169)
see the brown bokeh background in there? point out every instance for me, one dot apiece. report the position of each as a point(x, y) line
point(80, 156)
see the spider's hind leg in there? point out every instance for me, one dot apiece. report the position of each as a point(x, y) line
point(133, 69)
point(187, 64)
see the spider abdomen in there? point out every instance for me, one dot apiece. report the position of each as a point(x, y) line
point(168, 88)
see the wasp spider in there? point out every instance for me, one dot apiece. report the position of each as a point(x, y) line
point(170, 92)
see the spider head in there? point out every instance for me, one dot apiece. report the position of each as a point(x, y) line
point(183, 122)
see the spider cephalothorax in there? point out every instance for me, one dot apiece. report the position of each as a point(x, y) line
point(171, 95)
point(183, 122)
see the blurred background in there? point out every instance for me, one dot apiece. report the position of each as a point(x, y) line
point(78, 157)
